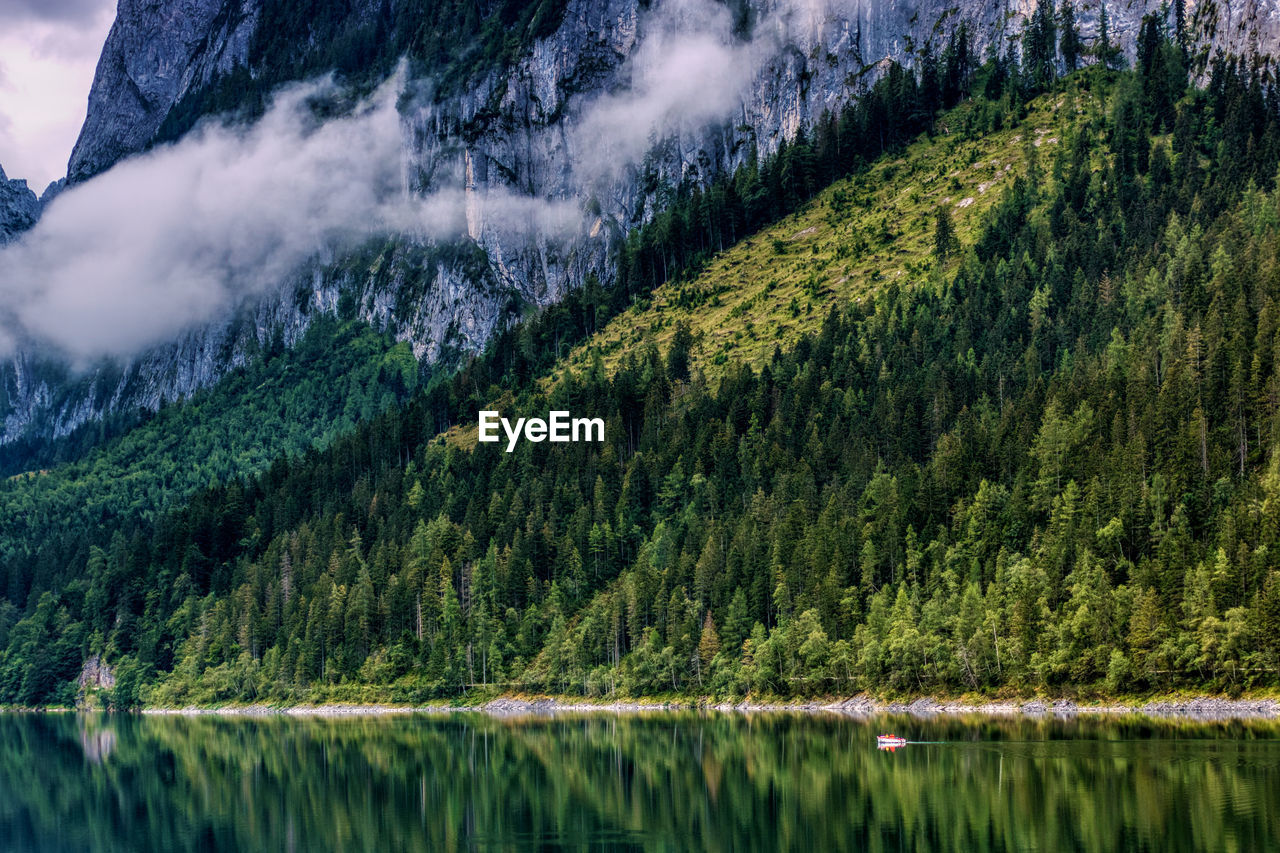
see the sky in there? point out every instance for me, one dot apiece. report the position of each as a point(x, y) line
point(48, 52)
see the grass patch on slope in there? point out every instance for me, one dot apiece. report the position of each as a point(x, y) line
point(863, 233)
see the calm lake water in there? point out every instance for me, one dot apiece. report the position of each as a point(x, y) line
point(645, 782)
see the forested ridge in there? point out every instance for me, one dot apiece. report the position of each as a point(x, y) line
point(1049, 469)
point(283, 402)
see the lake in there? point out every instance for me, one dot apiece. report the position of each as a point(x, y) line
point(653, 781)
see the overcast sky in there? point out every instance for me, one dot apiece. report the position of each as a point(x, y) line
point(48, 51)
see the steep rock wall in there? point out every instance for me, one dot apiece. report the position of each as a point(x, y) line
point(19, 207)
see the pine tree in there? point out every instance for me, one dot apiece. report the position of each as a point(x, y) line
point(1069, 41)
point(1267, 610)
point(944, 235)
point(1181, 36)
point(1039, 46)
point(679, 353)
point(1107, 53)
point(737, 623)
point(708, 643)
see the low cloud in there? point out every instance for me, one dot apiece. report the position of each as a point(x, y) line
point(175, 238)
point(689, 69)
point(178, 237)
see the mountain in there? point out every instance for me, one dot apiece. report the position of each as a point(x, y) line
point(955, 374)
point(972, 388)
point(154, 53)
point(19, 208)
point(158, 54)
point(509, 92)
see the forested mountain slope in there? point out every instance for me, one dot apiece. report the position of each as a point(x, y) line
point(1043, 464)
point(287, 402)
point(876, 227)
point(585, 104)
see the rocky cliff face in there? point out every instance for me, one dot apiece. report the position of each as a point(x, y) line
point(19, 208)
point(156, 52)
point(521, 129)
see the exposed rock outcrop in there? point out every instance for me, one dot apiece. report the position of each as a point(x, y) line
point(19, 207)
point(95, 677)
point(156, 51)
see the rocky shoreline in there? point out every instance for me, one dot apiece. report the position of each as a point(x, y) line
point(1203, 708)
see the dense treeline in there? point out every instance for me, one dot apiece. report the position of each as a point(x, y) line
point(78, 505)
point(1054, 471)
point(285, 401)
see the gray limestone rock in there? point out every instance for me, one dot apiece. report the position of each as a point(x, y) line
point(19, 208)
point(156, 52)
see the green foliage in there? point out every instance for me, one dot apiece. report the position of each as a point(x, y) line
point(701, 221)
point(678, 356)
point(1107, 52)
point(1053, 468)
point(861, 230)
point(1069, 45)
point(944, 234)
point(1039, 47)
point(68, 528)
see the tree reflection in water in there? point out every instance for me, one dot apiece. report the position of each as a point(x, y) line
point(647, 781)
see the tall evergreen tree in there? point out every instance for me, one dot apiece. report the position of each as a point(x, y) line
point(1069, 40)
point(1039, 48)
point(1107, 53)
point(944, 235)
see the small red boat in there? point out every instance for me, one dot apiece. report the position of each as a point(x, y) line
point(890, 741)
